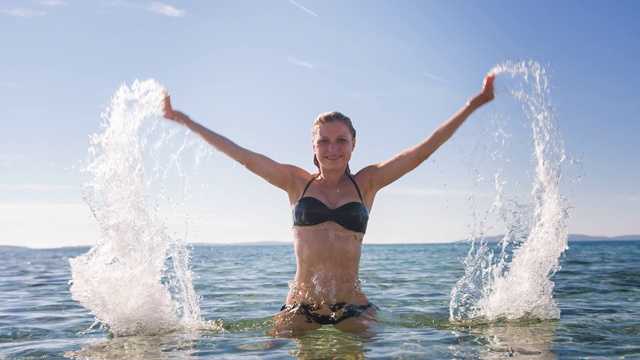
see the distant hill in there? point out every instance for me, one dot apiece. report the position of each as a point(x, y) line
point(257, 243)
point(491, 239)
point(10, 247)
point(579, 237)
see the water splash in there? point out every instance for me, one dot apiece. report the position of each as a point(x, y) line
point(512, 279)
point(136, 279)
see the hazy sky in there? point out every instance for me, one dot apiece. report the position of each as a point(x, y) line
point(259, 72)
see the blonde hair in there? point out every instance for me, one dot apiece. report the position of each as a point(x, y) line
point(331, 117)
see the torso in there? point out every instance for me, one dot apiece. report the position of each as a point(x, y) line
point(328, 258)
point(328, 253)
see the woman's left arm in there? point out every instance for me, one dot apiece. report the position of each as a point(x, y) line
point(385, 173)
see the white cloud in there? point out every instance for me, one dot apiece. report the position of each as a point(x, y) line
point(166, 10)
point(631, 198)
point(156, 7)
point(436, 78)
point(10, 85)
point(303, 8)
point(36, 187)
point(300, 63)
point(23, 13)
point(435, 192)
point(53, 3)
point(425, 192)
point(10, 160)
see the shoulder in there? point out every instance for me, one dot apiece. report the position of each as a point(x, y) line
point(365, 179)
point(367, 174)
point(299, 178)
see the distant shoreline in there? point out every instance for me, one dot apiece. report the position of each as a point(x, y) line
point(574, 237)
point(490, 239)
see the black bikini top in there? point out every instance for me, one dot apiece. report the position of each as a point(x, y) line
point(311, 211)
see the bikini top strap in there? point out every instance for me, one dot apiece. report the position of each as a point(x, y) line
point(356, 185)
point(306, 187)
point(348, 175)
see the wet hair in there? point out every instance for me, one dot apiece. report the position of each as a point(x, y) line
point(331, 117)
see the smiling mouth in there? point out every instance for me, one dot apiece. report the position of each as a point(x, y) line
point(333, 157)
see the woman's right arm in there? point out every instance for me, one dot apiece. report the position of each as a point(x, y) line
point(280, 175)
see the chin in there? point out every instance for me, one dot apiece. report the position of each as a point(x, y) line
point(334, 165)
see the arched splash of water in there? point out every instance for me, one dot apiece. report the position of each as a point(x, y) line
point(513, 278)
point(136, 279)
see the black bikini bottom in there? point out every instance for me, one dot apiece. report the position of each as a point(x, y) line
point(339, 311)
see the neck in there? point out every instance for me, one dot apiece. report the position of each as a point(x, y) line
point(331, 177)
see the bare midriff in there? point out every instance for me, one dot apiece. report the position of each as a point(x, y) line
point(328, 259)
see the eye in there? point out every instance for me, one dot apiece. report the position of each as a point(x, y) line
point(323, 141)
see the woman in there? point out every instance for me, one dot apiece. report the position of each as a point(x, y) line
point(330, 213)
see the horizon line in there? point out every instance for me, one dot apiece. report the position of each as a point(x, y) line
point(490, 239)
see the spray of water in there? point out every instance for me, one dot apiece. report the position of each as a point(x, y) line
point(513, 278)
point(136, 279)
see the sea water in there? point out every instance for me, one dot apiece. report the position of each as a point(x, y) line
point(597, 292)
point(134, 293)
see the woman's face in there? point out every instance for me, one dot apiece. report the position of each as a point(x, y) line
point(333, 145)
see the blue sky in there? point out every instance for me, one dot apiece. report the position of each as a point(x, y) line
point(260, 71)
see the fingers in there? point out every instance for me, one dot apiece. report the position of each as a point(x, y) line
point(487, 88)
point(166, 107)
point(489, 79)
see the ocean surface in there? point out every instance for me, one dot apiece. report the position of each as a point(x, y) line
point(239, 288)
point(139, 292)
